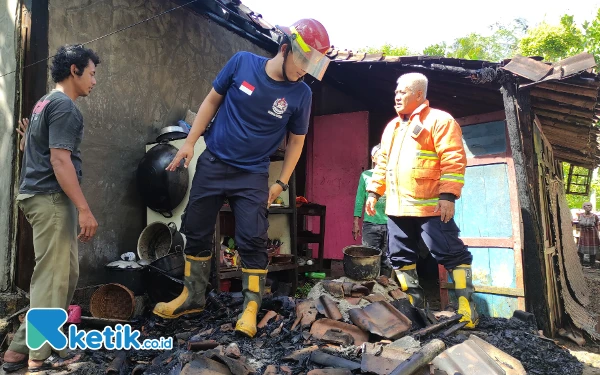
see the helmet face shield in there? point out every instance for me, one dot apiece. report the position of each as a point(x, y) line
point(306, 57)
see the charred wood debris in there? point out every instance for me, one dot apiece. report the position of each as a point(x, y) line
point(341, 327)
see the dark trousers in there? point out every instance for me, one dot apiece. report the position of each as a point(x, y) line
point(376, 235)
point(441, 239)
point(247, 194)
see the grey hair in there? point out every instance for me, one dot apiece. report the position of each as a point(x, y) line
point(415, 81)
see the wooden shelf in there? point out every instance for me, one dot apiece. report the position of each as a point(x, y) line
point(304, 238)
point(308, 239)
point(229, 273)
point(311, 209)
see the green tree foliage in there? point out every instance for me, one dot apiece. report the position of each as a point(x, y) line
point(553, 42)
point(389, 50)
point(500, 44)
point(436, 50)
point(576, 200)
point(473, 47)
point(591, 37)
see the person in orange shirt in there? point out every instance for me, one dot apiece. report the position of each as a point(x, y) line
point(420, 168)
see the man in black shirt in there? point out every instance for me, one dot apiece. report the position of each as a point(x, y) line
point(51, 199)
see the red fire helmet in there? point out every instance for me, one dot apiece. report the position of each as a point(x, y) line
point(310, 43)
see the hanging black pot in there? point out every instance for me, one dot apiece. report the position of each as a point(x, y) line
point(162, 190)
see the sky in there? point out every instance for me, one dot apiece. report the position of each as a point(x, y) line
point(353, 24)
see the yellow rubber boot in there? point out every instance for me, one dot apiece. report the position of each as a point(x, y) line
point(463, 286)
point(191, 300)
point(253, 286)
point(409, 283)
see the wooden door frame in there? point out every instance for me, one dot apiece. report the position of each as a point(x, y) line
point(516, 240)
point(31, 85)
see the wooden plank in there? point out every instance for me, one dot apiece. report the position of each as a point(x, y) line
point(563, 98)
point(502, 267)
point(561, 108)
point(515, 292)
point(578, 128)
point(545, 162)
point(485, 160)
point(570, 89)
point(484, 207)
point(480, 119)
point(458, 92)
point(484, 139)
point(515, 214)
point(564, 117)
point(481, 266)
point(519, 124)
point(32, 87)
point(504, 306)
point(443, 278)
point(488, 242)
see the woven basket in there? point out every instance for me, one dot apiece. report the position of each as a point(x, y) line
point(112, 301)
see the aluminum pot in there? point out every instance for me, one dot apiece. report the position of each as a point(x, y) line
point(159, 239)
point(361, 262)
point(170, 133)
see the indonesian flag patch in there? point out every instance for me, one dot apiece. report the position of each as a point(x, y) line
point(247, 88)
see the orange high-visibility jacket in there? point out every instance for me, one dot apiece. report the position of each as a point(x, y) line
point(418, 161)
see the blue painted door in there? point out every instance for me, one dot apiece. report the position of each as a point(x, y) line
point(488, 216)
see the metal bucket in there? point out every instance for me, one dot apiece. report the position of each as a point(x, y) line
point(159, 239)
point(362, 262)
point(172, 264)
point(160, 286)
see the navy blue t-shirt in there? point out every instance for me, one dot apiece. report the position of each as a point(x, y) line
point(256, 113)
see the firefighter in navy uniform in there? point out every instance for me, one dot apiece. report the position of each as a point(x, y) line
point(259, 102)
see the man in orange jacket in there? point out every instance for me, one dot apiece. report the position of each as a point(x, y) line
point(420, 168)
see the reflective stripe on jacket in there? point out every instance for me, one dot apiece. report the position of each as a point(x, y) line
point(419, 160)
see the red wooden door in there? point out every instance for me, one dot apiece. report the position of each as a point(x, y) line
point(336, 156)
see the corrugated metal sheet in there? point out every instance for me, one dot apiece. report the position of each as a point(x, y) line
point(528, 68)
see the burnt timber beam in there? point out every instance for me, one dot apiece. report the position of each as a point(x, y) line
point(520, 131)
point(585, 121)
point(581, 102)
point(553, 106)
point(570, 89)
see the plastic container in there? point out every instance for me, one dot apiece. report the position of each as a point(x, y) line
point(315, 275)
point(74, 314)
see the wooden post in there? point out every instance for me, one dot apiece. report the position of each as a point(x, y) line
point(33, 85)
point(520, 130)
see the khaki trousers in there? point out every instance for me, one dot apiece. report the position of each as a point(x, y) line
point(53, 218)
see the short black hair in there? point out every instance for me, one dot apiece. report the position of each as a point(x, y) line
point(68, 55)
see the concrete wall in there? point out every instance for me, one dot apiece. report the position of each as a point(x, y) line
point(8, 12)
point(149, 76)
